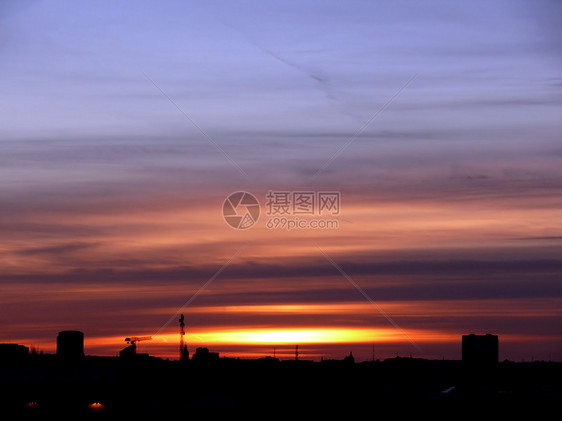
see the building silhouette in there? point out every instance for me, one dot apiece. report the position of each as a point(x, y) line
point(203, 354)
point(128, 351)
point(13, 351)
point(349, 358)
point(70, 344)
point(184, 354)
point(480, 349)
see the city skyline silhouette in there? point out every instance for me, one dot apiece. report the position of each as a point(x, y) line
point(334, 191)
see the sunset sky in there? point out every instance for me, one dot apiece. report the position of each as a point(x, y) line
point(125, 126)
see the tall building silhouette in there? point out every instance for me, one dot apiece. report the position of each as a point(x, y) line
point(480, 349)
point(70, 344)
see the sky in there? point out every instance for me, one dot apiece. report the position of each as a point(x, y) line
point(125, 126)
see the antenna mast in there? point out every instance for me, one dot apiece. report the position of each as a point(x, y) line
point(182, 334)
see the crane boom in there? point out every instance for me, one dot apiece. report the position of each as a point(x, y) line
point(133, 339)
point(131, 350)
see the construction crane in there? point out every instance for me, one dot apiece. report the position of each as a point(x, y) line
point(183, 348)
point(133, 342)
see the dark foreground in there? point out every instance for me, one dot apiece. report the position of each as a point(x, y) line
point(100, 387)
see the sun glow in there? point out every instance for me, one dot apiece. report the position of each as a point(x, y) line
point(288, 336)
point(308, 335)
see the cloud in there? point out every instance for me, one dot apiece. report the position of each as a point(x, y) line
point(548, 238)
point(59, 250)
point(418, 279)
